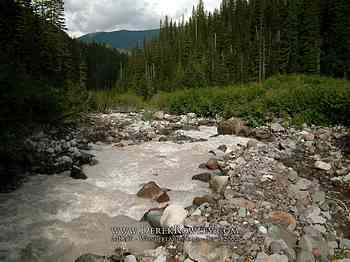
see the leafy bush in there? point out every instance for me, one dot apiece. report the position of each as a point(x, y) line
point(297, 98)
point(310, 99)
point(104, 100)
point(74, 100)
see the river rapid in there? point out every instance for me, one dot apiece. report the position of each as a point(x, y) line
point(56, 218)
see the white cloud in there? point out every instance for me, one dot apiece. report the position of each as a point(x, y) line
point(86, 16)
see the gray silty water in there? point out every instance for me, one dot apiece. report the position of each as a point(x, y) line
point(56, 218)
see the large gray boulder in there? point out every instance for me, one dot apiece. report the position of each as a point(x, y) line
point(173, 215)
point(207, 251)
point(153, 217)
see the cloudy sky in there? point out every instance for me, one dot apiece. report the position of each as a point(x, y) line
point(86, 16)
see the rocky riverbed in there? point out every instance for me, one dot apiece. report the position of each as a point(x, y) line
point(269, 194)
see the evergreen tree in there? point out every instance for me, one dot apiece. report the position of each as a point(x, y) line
point(293, 35)
point(310, 49)
point(342, 39)
point(246, 41)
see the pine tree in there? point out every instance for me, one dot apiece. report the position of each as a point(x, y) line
point(310, 41)
point(294, 7)
point(59, 19)
point(342, 30)
point(328, 34)
point(247, 41)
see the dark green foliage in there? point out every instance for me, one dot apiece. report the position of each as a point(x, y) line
point(102, 65)
point(310, 37)
point(342, 38)
point(29, 102)
point(305, 99)
point(246, 41)
point(43, 72)
point(45, 76)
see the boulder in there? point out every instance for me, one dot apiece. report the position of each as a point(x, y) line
point(163, 197)
point(201, 200)
point(323, 165)
point(280, 247)
point(197, 212)
point(276, 232)
point(207, 251)
point(63, 163)
point(159, 115)
point(173, 215)
point(262, 229)
point(202, 166)
point(345, 244)
point(233, 126)
point(308, 136)
point(313, 215)
point(153, 216)
point(346, 178)
point(152, 191)
point(277, 128)
point(284, 219)
point(218, 183)
point(77, 173)
point(161, 258)
point(130, 258)
point(252, 144)
point(262, 257)
point(212, 164)
point(204, 177)
point(84, 158)
point(261, 134)
point(222, 148)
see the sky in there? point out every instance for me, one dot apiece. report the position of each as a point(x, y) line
point(89, 16)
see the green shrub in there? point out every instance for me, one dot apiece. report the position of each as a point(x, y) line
point(298, 98)
point(74, 100)
point(105, 100)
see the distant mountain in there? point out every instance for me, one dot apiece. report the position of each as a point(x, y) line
point(121, 39)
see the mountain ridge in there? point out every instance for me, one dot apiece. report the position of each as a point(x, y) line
point(122, 39)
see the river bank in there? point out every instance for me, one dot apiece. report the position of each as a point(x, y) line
point(284, 190)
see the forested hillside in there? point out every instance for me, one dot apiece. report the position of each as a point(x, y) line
point(245, 41)
point(44, 74)
point(121, 39)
